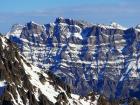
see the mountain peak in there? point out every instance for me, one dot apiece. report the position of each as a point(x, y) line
point(15, 30)
point(32, 23)
point(69, 21)
point(64, 20)
point(138, 26)
point(113, 25)
point(118, 26)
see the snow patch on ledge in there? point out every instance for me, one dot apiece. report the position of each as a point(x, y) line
point(2, 83)
point(78, 35)
point(2, 87)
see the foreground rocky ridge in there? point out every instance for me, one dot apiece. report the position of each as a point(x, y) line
point(102, 58)
point(21, 83)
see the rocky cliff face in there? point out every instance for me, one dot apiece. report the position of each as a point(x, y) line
point(21, 83)
point(102, 58)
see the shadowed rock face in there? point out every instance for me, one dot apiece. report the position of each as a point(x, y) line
point(17, 83)
point(98, 57)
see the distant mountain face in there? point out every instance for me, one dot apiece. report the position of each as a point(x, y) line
point(21, 83)
point(102, 58)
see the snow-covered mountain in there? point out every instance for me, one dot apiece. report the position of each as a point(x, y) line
point(21, 83)
point(101, 58)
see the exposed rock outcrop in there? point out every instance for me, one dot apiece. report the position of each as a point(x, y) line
point(101, 58)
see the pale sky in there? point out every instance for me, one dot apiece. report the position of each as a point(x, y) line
point(124, 12)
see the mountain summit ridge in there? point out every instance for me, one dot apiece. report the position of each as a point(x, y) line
point(82, 22)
